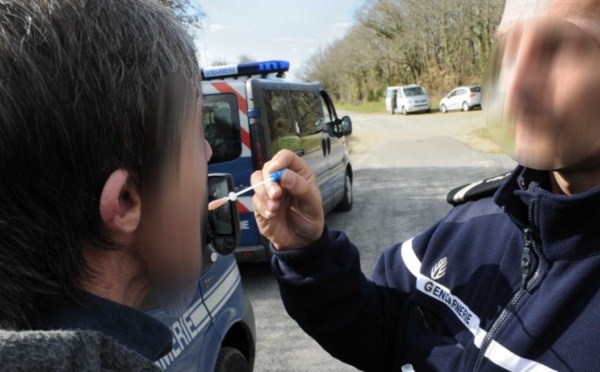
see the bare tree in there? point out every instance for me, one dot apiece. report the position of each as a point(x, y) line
point(245, 58)
point(188, 12)
point(438, 43)
point(219, 62)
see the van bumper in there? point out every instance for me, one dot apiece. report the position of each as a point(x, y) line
point(256, 253)
point(419, 107)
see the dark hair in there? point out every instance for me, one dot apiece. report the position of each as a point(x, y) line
point(77, 78)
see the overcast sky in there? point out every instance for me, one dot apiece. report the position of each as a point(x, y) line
point(271, 29)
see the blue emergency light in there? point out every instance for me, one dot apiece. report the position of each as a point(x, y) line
point(246, 69)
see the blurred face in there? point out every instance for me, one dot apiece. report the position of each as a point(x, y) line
point(174, 217)
point(542, 89)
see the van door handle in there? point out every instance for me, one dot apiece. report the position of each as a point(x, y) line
point(299, 152)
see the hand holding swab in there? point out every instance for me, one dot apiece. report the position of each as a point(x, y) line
point(273, 177)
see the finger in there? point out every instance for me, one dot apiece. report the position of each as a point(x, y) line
point(291, 161)
point(260, 195)
point(265, 208)
point(300, 188)
point(256, 177)
point(288, 159)
point(273, 188)
point(259, 207)
point(266, 190)
point(272, 206)
point(261, 200)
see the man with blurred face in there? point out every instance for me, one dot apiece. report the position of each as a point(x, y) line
point(103, 192)
point(503, 282)
point(543, 93)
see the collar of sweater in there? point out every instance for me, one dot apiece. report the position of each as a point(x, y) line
point(568, 227)
point(131, 328)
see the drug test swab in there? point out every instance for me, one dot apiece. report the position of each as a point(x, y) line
point(273, 177)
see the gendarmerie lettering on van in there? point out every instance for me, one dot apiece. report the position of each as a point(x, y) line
point(249, 116)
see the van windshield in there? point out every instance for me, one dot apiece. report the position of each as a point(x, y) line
point(222, 127)
point(414, 91)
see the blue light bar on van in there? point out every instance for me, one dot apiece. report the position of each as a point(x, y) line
point(246, 69)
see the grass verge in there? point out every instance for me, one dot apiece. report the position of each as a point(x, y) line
point(366, 108)
point(485, 139)
point(378, 107)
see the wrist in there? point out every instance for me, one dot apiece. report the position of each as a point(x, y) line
point(301, 241)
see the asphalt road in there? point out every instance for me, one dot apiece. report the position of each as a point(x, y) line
point(403, 169)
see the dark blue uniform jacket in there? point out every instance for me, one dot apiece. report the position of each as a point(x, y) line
point(509, 282)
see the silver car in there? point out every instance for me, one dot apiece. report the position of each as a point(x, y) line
point(462, 98)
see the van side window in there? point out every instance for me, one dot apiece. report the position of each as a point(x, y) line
point(310, 119)
point(285, 131)
point(308, 112)
point(222, 127)
point(295, 119)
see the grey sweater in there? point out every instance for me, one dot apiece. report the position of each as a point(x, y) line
point(67, 351)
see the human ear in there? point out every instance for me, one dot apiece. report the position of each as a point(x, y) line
point(120, 205)
point(209, 151)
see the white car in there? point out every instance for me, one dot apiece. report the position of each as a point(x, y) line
point(462, 98)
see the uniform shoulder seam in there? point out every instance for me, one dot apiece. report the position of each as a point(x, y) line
point(476, 190)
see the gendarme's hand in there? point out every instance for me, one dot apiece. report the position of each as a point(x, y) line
point(288, 213)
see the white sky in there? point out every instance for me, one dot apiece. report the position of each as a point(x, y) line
point(271, 29)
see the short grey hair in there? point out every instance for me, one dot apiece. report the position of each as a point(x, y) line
point(516, 11)
point(77, 78)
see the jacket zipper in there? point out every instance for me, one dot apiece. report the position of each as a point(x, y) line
point(526, 258)
point(530, 248)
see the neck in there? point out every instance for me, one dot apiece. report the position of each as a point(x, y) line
point(118, 276)
point(577, 181)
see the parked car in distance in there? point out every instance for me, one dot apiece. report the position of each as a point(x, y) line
point(462, 98)
point(407, 99)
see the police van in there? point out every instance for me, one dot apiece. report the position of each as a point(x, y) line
point(217, 331)
point(251, 113)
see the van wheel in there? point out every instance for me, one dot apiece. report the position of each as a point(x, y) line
point(231, 360)
point(404, 111)
point(465, 106)
point(443, 109)
point(346, 203)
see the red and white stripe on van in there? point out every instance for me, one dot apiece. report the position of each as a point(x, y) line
point(238, 89)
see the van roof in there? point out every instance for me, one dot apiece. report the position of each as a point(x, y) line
point(248, 69)
point(272, 82)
